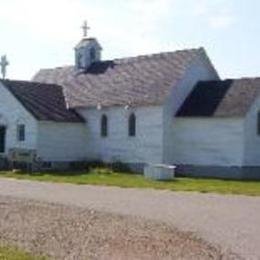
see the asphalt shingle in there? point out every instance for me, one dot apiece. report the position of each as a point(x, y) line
point(142, 80)
point(227, 98)
point(44, 101)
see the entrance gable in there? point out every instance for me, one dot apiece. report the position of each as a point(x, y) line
point(12, 113)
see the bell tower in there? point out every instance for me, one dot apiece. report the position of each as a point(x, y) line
point(87, 51)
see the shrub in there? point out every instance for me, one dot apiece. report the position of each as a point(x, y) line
point(77, 166)
point(120, 167)
point(108, 168)
point(95, 164)
point(102, 171)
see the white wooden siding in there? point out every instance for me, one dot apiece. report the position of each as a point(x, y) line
point(252, 139)
point(208, 141)
point(146, 146)
point(62, 142)
point(13, 113)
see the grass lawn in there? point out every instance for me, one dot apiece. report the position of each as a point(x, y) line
point(106, 177)
point(10, 253)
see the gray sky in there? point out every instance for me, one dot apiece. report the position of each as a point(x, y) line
point(42, 33)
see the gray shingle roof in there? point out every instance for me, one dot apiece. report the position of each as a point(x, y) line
point(143, 80)
point(227, 98)
point(44, 101)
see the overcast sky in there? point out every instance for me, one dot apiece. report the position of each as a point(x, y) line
point(42, 33)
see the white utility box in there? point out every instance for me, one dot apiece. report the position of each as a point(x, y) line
point(160, 172)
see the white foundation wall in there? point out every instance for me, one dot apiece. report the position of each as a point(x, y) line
point(146, 146)
point(200, 70)
point(208, 141)
point(252, 139)
point(62, 142)
point(13, 113)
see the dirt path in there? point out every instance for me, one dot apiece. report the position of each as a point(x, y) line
point(232, 222)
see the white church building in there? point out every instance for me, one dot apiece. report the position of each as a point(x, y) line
point(169, 108)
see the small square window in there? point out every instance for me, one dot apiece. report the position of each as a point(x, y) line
point(21, 133)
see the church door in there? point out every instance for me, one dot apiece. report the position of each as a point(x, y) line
point(2, 139)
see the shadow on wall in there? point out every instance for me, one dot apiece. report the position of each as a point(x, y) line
point(72, 168)
point(219, 172)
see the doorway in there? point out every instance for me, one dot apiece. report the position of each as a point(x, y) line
point(2, 138)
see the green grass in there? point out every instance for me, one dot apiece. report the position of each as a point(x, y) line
point(10, 253)
point(106, 177)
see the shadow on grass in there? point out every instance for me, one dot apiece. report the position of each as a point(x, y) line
point(49, 173)
point(67, 173)
point(208, 178)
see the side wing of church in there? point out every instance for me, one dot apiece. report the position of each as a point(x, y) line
point(169, 108)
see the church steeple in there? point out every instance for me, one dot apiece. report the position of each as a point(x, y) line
point(87, 51)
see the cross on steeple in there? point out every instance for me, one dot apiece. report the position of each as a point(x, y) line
point(3, 64)
point(85, 29)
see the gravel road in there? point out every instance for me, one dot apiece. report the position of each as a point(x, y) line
point(231, 222)
point(68, 232)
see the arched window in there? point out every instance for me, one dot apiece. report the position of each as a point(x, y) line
point(21, 132)
point(104, 126)
point(93, 54)
point(132, 125)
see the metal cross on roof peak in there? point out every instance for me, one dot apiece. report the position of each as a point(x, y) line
point(85, 29)
point(3, 64)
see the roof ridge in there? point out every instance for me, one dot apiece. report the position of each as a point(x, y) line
point(215, 80)
point(31, 82)
point(244, 78)
point(153, 55)
point(232, 79)
point(132, 59)
point(56, 68)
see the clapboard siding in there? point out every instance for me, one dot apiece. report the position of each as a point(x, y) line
point(200, 70)
point(252, 139)
point(208, 141)
point(13, 113)
point(146, 146)
point(62, 142)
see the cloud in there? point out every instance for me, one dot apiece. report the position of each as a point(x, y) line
point(150, 8)
point(217, 14)
point(221, 21)
point(136, 25)
point(54, 19)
